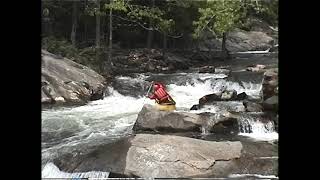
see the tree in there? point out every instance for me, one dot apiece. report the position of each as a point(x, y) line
point(140, 14)
point(97, 13)
point(74, 23)
point(220, 17)
point(150, 33)
point(110, 36)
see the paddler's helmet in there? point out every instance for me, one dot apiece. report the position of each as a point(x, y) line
point(157, 85)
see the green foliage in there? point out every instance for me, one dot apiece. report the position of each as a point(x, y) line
point(269, 11)
point(142, 14)
point(218, 16)
point(119, 5)
point(59, 46)
point(85, 56)
point(91, 9)
point(266, 10)
point(171, 17)
point(223, 15)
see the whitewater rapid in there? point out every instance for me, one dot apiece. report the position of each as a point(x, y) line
point(83, 127)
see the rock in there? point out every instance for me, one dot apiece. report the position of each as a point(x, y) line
point(208, 41)
point(207, 69)
point(150, 67)
point(272, 100)
point(175, 157)
point(59, 100)
point(271, 104)
point(270, 83)
point(45, 99)
point(226, 95)
point(276, 90)
point(67, 82)
point(207, 99)
point(241, 96)
point(229, 95)
point(178, 62)
point(221, 123)
point(252, 106)
point(165, 69)
point(276, 123)
point(256, 24)
point(274, 48)
point(98, 93)
point(151, 119)
point(230, 106)
point(195, 107)
point(256, 68)
point(222, 71)
point(151, 156)
point(239, 41)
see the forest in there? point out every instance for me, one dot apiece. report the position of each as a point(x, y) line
point(87, 30)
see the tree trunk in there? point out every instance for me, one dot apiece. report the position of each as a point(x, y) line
point(110, 37)
point(164, 41)
point(98, 25)
point(224, 38)
point(150, 33)
point(85, 22)
point(85, 29)
point(225, 51)
point(74, 23)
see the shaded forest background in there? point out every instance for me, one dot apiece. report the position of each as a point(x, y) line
point(89, 31)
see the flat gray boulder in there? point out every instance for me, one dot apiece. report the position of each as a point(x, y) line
point(152, 119)
point(166, 156)
point(161, 156)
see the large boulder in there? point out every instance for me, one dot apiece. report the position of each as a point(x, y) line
point(67, 82)
point(161, 156)
point(151, 119)
point(176, 62)
point(252, 106)
point(270, 83)
point(173, 156)
point(239, 41)
point(271, 104)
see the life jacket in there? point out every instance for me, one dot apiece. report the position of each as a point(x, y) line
point(161, 94)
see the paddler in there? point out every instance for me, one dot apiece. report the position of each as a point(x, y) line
point(161, 95)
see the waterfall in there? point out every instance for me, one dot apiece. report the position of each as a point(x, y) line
point(50, 171)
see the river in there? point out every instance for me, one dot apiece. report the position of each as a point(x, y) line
point(81, 129)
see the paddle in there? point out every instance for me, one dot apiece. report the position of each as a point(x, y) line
point(147, 93)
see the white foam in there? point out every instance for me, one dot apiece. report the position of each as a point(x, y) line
point(252, 52)
point(255, 175)
point(262, 136)
point(52, 171)
point(113, 115)
point(188, 95)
